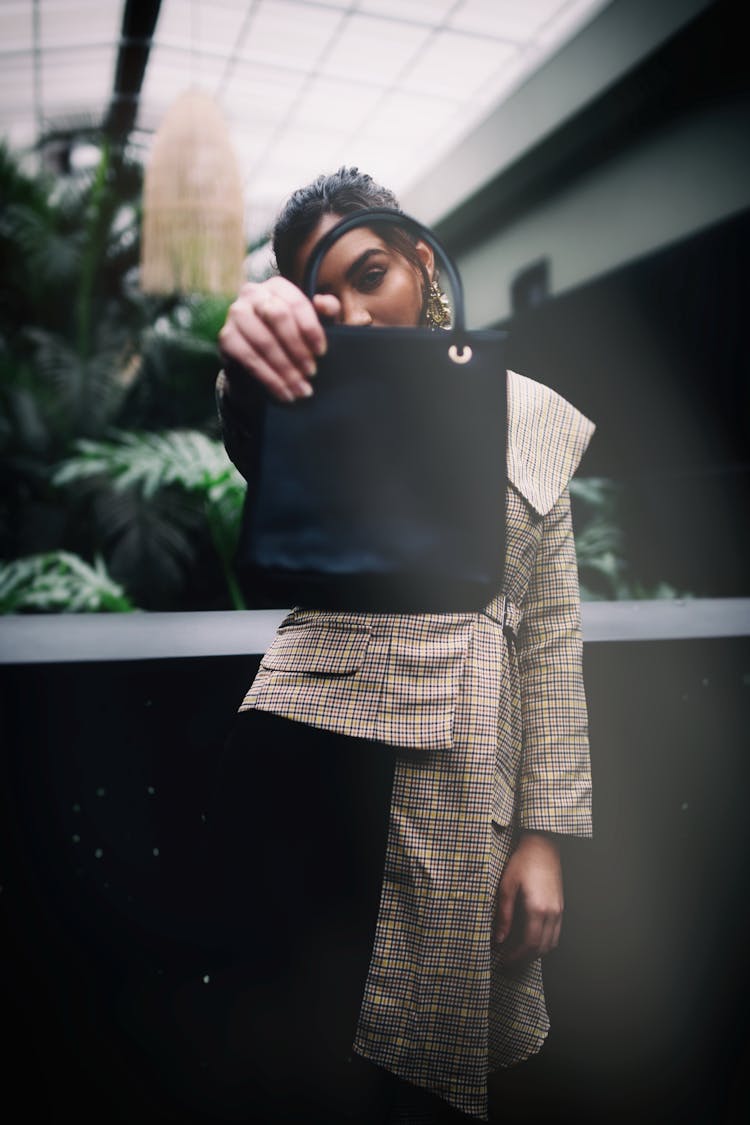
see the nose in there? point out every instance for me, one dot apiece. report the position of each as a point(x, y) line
point(354, 312)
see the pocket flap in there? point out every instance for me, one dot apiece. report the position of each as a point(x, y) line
point(322, 650)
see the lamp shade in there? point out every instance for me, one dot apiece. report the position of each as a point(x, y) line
point(193, 208)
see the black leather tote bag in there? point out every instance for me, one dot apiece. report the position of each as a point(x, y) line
point(384, 491)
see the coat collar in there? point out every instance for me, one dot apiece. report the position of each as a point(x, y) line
point(547, 438)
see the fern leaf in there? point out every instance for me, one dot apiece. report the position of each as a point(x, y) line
point(59, 581)
point(149, 461)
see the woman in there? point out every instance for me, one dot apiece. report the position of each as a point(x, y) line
point(472, 726)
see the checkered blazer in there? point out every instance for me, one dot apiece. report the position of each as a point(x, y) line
point(491, 708)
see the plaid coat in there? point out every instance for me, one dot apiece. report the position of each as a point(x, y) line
point(491, 709)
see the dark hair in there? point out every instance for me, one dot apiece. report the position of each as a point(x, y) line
point(339, 193)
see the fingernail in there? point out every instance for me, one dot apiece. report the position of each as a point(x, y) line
point(311, 368)
point(322, 348)
point(306, 389)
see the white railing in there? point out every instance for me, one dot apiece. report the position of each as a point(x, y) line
point(67, 638)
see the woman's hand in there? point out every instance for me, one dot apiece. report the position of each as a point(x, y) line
point(273, 331)
point(529, 899)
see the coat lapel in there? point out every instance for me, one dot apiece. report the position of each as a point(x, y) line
point(547, 438)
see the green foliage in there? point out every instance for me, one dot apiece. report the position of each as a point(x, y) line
point(60, 582)
point(178, 364)
point(68, 329)
point(135, 468)
point(151, 461)
point(84, 355)
point(602, 566)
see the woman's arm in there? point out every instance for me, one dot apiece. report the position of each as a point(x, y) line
point(554, 795)
point(268, 343)
point(555, 779)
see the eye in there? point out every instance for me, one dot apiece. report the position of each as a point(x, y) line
point(371, 278)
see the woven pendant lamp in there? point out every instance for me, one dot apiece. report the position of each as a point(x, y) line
point(193, 238)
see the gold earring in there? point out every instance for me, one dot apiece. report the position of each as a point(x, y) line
point(437, 311)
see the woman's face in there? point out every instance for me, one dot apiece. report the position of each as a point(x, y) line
point(374, 283)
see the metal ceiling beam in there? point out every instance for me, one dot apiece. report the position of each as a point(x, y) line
point(138, 22)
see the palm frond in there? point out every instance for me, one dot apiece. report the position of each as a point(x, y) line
point(598, 493)
point(53, 254)
point(84, 393)
point(206, 315)
point(57, 364)
point(22, 421)
point(603, 566)
point(151, 543)
point(599, 539)
point(193, 325)
point(61, 582)
point(150, 461)
point(19, 186)
point(146, 530)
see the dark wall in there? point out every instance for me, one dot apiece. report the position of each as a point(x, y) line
point(657, 354)
point(107, 1012)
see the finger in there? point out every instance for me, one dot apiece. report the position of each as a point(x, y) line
point(266, 344)
point(552, 926)
point(246, 338)
point(529, 942)
point(255, 297)
point(305, 312)
point(504, 911)
point(540, 936)
point(327, 306)
point(547, 939)
point(238, 348)
point(284, 321)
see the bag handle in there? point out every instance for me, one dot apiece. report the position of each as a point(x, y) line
point(371, 215)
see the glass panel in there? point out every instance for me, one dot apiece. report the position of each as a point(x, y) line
point(16, 27)
point(505, 18)
point(204, 26)
point(81, 75)
point(292, 34)
point(429, 12)
point(186, 62)
point(343, 105)
point(173, 72)
point(264, 92)
point(250, 144)
point(63, 23)
point(301, 157)
point(16, 88)
point(390, 163)
point(456, 65)
point(376, 50)
point(408, 118)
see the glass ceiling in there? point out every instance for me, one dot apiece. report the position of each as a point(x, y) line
point(306, 85)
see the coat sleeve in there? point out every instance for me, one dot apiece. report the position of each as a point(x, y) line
point(555, 778)
point(239, 423)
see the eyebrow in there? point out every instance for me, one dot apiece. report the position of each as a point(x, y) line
point(360, 261)
point(357, 264)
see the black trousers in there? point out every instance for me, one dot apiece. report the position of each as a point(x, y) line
point(297, 830)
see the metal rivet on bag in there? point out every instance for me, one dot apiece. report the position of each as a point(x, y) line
point(463, 357)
